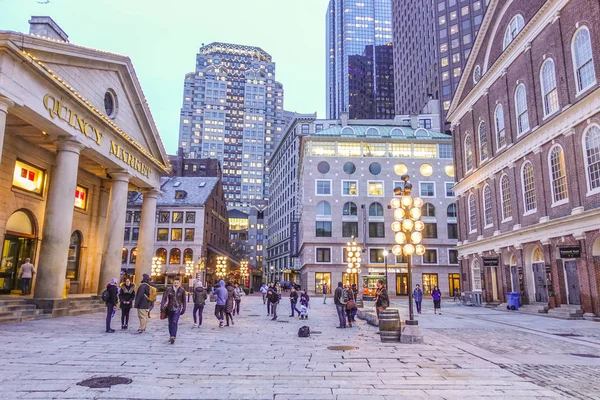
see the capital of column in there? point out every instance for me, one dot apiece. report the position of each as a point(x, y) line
point(150, 193)
point(5, 104)
point(69, 144)
point(119, 175)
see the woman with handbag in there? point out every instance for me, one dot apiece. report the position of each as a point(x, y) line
point(173, 306)
point(350, 303)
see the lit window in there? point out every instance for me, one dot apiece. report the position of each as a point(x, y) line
point(349, 188)
point(444, 61)
point(453, 15)
point(549, 89)
point(376, 189)
point(583, 59)
point(425, 150)
point(453, 29)
point(446, 105)
point(558, 175)
point(81, 197)
point(476, 5)
point(176, 234)
point(467, 38)
point(443, 47)
point(456, 57)
point(28, 177)
point(445, 75)
point(456, 72)
point(442, 20)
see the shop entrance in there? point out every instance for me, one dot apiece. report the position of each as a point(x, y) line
point(401, 284)
point(19, 244)
point(574, 294)
point(539, 278)
point(454, 284)
point(494, 272)
point(350, 279)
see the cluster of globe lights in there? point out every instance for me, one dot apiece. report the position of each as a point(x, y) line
point(353, 257)
point(221, 270)
point(407, 226)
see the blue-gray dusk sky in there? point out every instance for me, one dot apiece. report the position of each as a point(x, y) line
point(162, 38)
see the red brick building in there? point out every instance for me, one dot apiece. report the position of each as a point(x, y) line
point(526, 124)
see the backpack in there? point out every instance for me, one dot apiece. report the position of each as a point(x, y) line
point(105, 295)
point(304, 331)
point(151, 296)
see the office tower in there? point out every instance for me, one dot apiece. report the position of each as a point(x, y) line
point(360, 78)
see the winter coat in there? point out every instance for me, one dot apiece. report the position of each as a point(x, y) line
point(418, 295)
point(126, 296)
point(174, 301)
point(436, 294)
point(141, 296)
point(230, 297)
point(294, 296)
point(304, 299)
point(113, 294)
point(221, 293)
point(273, 296)
point(337, 295)
point(238, 292)
point(381, 298)
point(200, 296)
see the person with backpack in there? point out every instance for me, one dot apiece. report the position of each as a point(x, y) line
point(273, 298)
point(238, 292)
point(126, 297)
point(110, 297)
point(340, 304)
point(199, 298)
point(174, 304)
point(418, 297)
point(144, 299)
point(294, 302)
point(382, 300)
point(222, 295)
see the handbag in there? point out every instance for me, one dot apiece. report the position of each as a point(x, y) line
point(163, 314)
point(350, 305)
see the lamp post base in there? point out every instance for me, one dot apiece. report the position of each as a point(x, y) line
point(411, 334)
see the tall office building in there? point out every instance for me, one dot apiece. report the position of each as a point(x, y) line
point(360, 79)
point(233, 111)
point(432, 42)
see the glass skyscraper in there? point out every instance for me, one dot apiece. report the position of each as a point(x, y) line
point(360, 71)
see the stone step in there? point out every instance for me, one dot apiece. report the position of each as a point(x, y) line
point(74, 313)
point(11, 302)
point(15, 319)
point(13, 308)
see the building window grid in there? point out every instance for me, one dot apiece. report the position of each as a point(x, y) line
point(476, 272)
point(549, 88)
point(483, 147)
point(558, 175)
point(472, 214)
point(592, 157)
point(468, 153)
point(487, 206)
point(500, 131)
point(583, 59)
point(505, 194)
point(529, 198)
point(521, 109)
point(515, 26)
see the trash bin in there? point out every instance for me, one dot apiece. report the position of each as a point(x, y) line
point(513, 300)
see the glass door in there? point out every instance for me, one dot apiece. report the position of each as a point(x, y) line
point(401, 284)
point(14, 252)
point(349, 279)
point(454, 284)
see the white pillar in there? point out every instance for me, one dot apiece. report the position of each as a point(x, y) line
point(58, 222)
point(110, 267)
point(145, 246)
point(5, 104)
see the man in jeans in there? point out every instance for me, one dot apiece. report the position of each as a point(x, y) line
point(340, 305)
point(143, 303)
point(273, 298)
point(325, 293)
point(174, 302)
point(26, 274)
point(222, 294)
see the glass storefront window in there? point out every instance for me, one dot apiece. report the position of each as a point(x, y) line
point(349, 279)
point(176, 234)
point(29, 178)
point(374, 149)
point(454, 283)
point(323, 148)
point(322, 278)
point(370, 286)
point(400, 150)
point(429, 282)
point(177, 217)
point(81, 197)
point(349, 149)
point(401, 284)
point(175, 256)
point(189, 234)
point(376, 189)
point(425, 150)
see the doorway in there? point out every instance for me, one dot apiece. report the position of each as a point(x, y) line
point(454, 284)
point(19, 244)
point(572, 280)
point(494, 272)
point(401, 284)
point(539, 280)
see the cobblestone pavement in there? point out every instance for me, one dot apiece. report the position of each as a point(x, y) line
point(462, 358)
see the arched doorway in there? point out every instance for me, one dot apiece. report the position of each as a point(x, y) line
point(539, 275)
point(19, 243)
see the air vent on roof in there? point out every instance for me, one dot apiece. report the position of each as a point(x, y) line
point(202, 184)
point(176, 184)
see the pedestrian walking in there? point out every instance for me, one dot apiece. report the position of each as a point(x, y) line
point(340, 305)
point(418, 297)
point(144, 299)
point(273, 298)
point(111, 298)
point(238, 292)
point(436, 295)
point(456, 294)
point(304, 298)
point(264, 289)
point(273, 288)
point(174, 304)
point(230, 303)
point(294, 302)
point(222, 294)
point(26, 274)
point(355, 295)
point(199, 297)
point(382, 300)
point(350, 297)
point(126, 298)
point(325, 293)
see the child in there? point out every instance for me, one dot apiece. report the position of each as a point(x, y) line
point(303, 312)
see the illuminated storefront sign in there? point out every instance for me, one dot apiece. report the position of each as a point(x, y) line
point(81, 197)
point(28, 177)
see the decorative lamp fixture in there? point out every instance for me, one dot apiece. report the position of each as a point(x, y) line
point(353, 259)
point(156, 267)
point(189, 268)
point(221, 267)
point(244, 270)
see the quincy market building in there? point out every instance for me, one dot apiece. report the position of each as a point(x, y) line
point(75, 135)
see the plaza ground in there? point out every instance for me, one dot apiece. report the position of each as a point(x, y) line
point(469, 353)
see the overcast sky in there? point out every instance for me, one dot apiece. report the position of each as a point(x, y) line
point(162, 38)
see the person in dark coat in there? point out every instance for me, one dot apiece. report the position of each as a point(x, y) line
point(273, 298)
point(200, 297)
point(111, 302)
point(126, 298)
point(143, 303)
point(382, 300)
point(418, 296)
point(221, 304)
point(436, 295)
point(230, 303)
point(340, 304)
point(174, 303)
point(294, 302)
point(304, 299)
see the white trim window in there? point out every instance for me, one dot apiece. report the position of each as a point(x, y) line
point(430, 256)
point(505, 196)
point(515, 26)
point(449, 192)
point(428, 210)
point(427, 189)
point(323, 255)
point(591, 155)
point(476, 275)
point(528, 182)
point(375, 189)
point(323, 209)
point(488, 221)
point(583, 59)
point(558, 175)
point(521, 109)
point(549, 88)
point(500, 131)
point(452, 256)
point(483, 146)
point(349, 188)
point(323, 187)
point(472, 214)
point(468, 153)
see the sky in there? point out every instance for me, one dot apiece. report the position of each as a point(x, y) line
point(163, 37)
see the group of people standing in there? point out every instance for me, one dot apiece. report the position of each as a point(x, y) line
point(271, 297)
point(229, 297)
point(344, 298)
point(127, 298)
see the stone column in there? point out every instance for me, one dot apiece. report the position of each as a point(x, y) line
point(145, 247)
point(58, 222)
point(5, 104)
point(110, 267)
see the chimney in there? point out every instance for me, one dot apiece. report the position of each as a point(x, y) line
point(344, 118)
point(45, 26)
point(414, 121)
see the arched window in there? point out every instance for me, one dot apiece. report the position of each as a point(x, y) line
point(133, 256)
point(175, 256)
point(487, 206)
point(500, 132)
point(591, 154)
point(476, 74)
point(350, 209)
point(451, 211)
point(74, 256)
point(428, 210)
point(472, 214)
point(558, 174)
point(521, 109)
point(476, 273)
point(538, 255)
point(188, 255)
point(468, 153)
point(528, 187)
point(124, 255)
point(323, 209)
point(375, 210)
point(162, 255)
point(505, 195)
point(483, 147)
point(515, 26)
point(583, 61)
point(549, 90)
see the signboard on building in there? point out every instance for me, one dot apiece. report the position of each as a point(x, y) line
point(570, 251)
point(294, 239)
point(390, 270)
point(491, 262)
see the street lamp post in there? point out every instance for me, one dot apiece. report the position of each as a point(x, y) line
point(408, 227)
point(385, 256)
